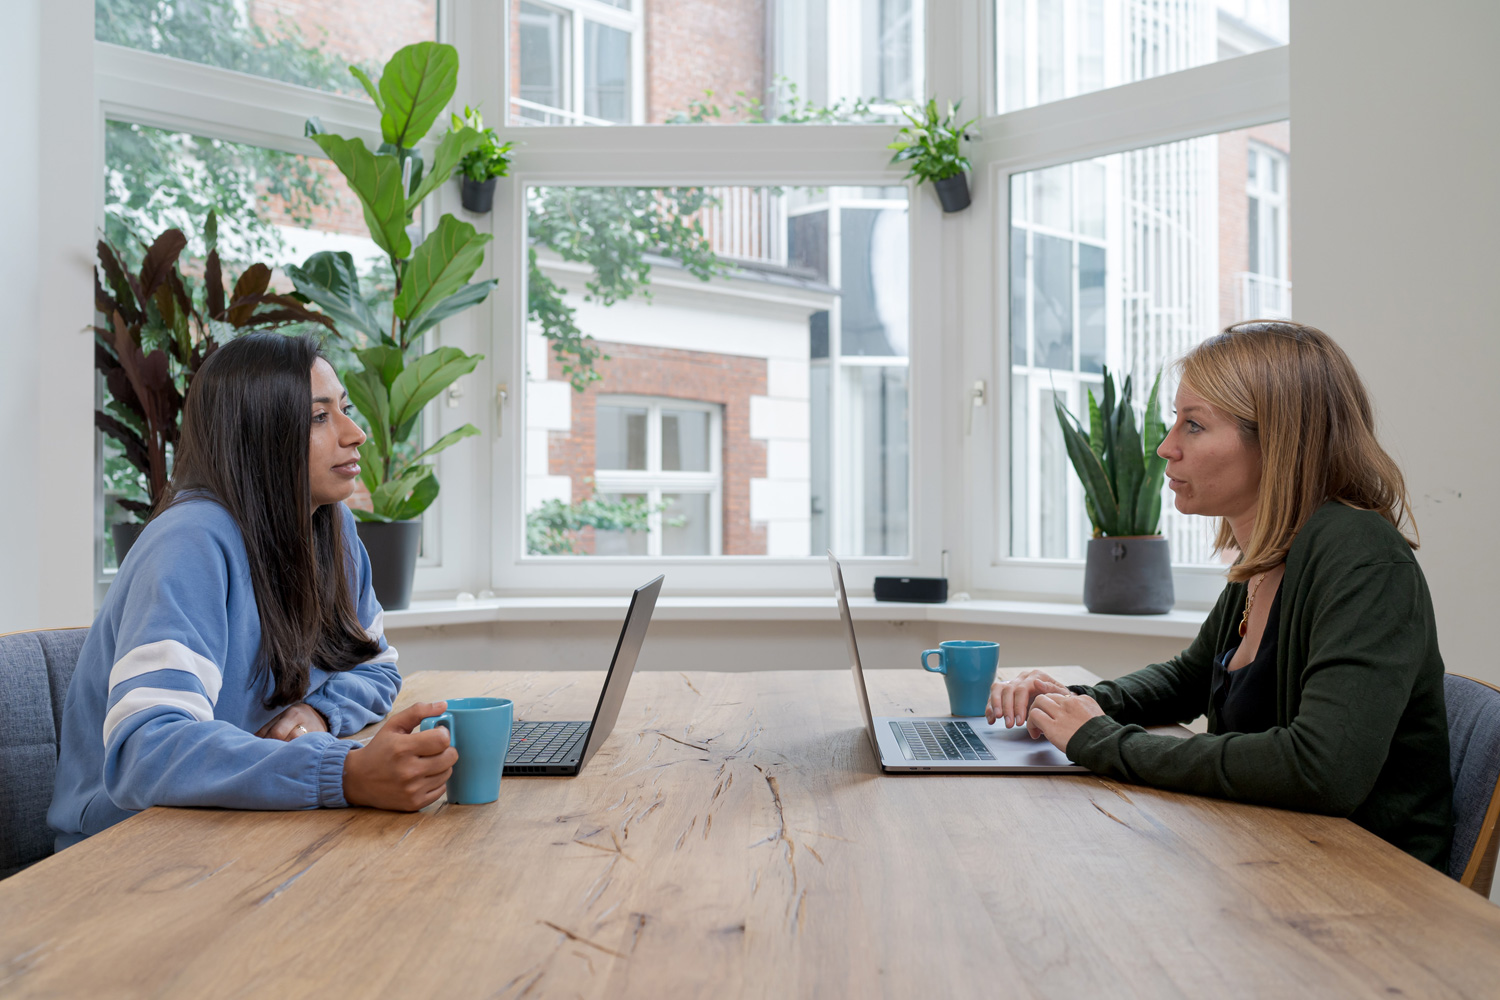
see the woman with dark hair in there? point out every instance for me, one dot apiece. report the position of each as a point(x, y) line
point(242, 637)
point(1318, 668)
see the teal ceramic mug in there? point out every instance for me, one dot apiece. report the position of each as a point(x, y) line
point(479, 729)
point(968, 668)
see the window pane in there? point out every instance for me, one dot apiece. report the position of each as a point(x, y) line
point(791, 416)
point(606, 72)
point(621, 438)
point(1048, 50)
point(1138, 280)
point(1053, 294)
point(620, 542)
point(542, 63)
point(274, 208)
point(311, 44)
point(684, 441)
point(777, 61)
point(686, 525)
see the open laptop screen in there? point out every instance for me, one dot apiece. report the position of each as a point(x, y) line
point(859, 677)
point(617, 681)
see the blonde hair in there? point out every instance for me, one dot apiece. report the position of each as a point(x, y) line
point(1294, 392)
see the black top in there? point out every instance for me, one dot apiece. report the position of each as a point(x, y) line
point(1245, 699)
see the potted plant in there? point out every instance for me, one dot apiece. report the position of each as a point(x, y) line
point(482, 164)
point(432, 283)
point(157, 331)
point(1129, 566)
point(931, 145)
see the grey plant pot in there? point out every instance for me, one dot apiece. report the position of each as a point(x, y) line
point(953, 192)
point(125, 533)
point(477, 196)
point(393, 559)
point(1128, 576)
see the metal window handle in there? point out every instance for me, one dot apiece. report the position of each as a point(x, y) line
point(502, 393)
point(976, 400)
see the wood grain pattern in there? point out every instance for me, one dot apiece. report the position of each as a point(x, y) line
point(734, 838)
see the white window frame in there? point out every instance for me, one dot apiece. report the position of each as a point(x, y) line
point(654, 481)
point(1205, 100)
point(177, 95)
point(630, 20)
point(1272, 237)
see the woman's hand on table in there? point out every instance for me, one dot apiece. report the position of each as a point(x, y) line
point(401, 768)
point(1059, 716)
point(1011, 700)
point(297, 720)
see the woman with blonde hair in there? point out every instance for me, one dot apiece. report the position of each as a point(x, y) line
point(1318, 668)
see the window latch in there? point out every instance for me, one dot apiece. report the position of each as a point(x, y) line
point(976, 400)
point(502, 393)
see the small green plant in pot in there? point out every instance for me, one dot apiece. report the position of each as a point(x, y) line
point(1129, 567)
point(931, 145)
point(482, 164)
point(432, 284)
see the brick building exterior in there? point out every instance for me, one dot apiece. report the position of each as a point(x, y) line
point(1234, 228)
point(698, 376)
point(698, 45)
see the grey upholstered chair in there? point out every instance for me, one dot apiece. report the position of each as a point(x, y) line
point(1474, 756)
point(35, 668)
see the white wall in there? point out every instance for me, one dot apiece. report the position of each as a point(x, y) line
point(1395, 251)
point(46, 391)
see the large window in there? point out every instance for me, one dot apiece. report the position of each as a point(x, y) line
point(1119, 261)
point(1047, 50)
point(605, 62)
point(776, 318)
point(310, 44)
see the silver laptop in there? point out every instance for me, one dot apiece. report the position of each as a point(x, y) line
point(562, 748)
point(944, 743)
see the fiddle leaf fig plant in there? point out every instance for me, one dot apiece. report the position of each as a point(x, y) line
point(1117, 463)
point(432, 277)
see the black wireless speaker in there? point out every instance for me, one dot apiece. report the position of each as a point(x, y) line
point(918, 589)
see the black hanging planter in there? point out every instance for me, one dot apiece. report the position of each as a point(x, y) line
point(953, 192)
point(124, 533)
point(1128, 576)
point(392, 546)
point(478, 196)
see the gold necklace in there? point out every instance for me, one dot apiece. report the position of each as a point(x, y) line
point(1250, 603)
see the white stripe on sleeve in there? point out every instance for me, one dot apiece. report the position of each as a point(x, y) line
point(377, 627)
point(168, 654)
point(142, 698)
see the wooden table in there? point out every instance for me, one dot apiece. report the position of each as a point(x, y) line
point(734, 838)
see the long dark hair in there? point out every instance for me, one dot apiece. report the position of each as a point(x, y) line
point(245, 430)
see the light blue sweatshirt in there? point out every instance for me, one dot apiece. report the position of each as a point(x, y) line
point(165, 702)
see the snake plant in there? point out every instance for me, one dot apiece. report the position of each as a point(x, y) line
point(1117, 463)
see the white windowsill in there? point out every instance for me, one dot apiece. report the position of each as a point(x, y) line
point(1019, 614)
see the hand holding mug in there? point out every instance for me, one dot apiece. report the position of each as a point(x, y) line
point(1011, 700)
point(401, 769)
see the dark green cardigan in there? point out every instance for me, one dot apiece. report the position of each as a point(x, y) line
point(1361, 728)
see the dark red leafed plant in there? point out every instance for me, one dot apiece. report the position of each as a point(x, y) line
point(155, 334)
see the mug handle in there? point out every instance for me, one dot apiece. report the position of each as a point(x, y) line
point(941, 668)
point(433, 721)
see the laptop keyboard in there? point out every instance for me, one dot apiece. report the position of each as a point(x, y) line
point(543, 742)
point(939, 741)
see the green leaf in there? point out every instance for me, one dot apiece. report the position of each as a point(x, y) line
point(1155, 428)
point(328, 278)
point(451, 438)
point(1096, 428)
point(1090, 472)
point(369, 396)
point(390, 496)
point(447, 258)
point(370, 515)
point(454, 147)
point(421, 498)
point(369, 85)
point(1148, 497)
point(377, 182)
point(469, 295)
point(1130, 467)
point(384, 359)
point(429, 375)
point(211, 233)
point(417, 83)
